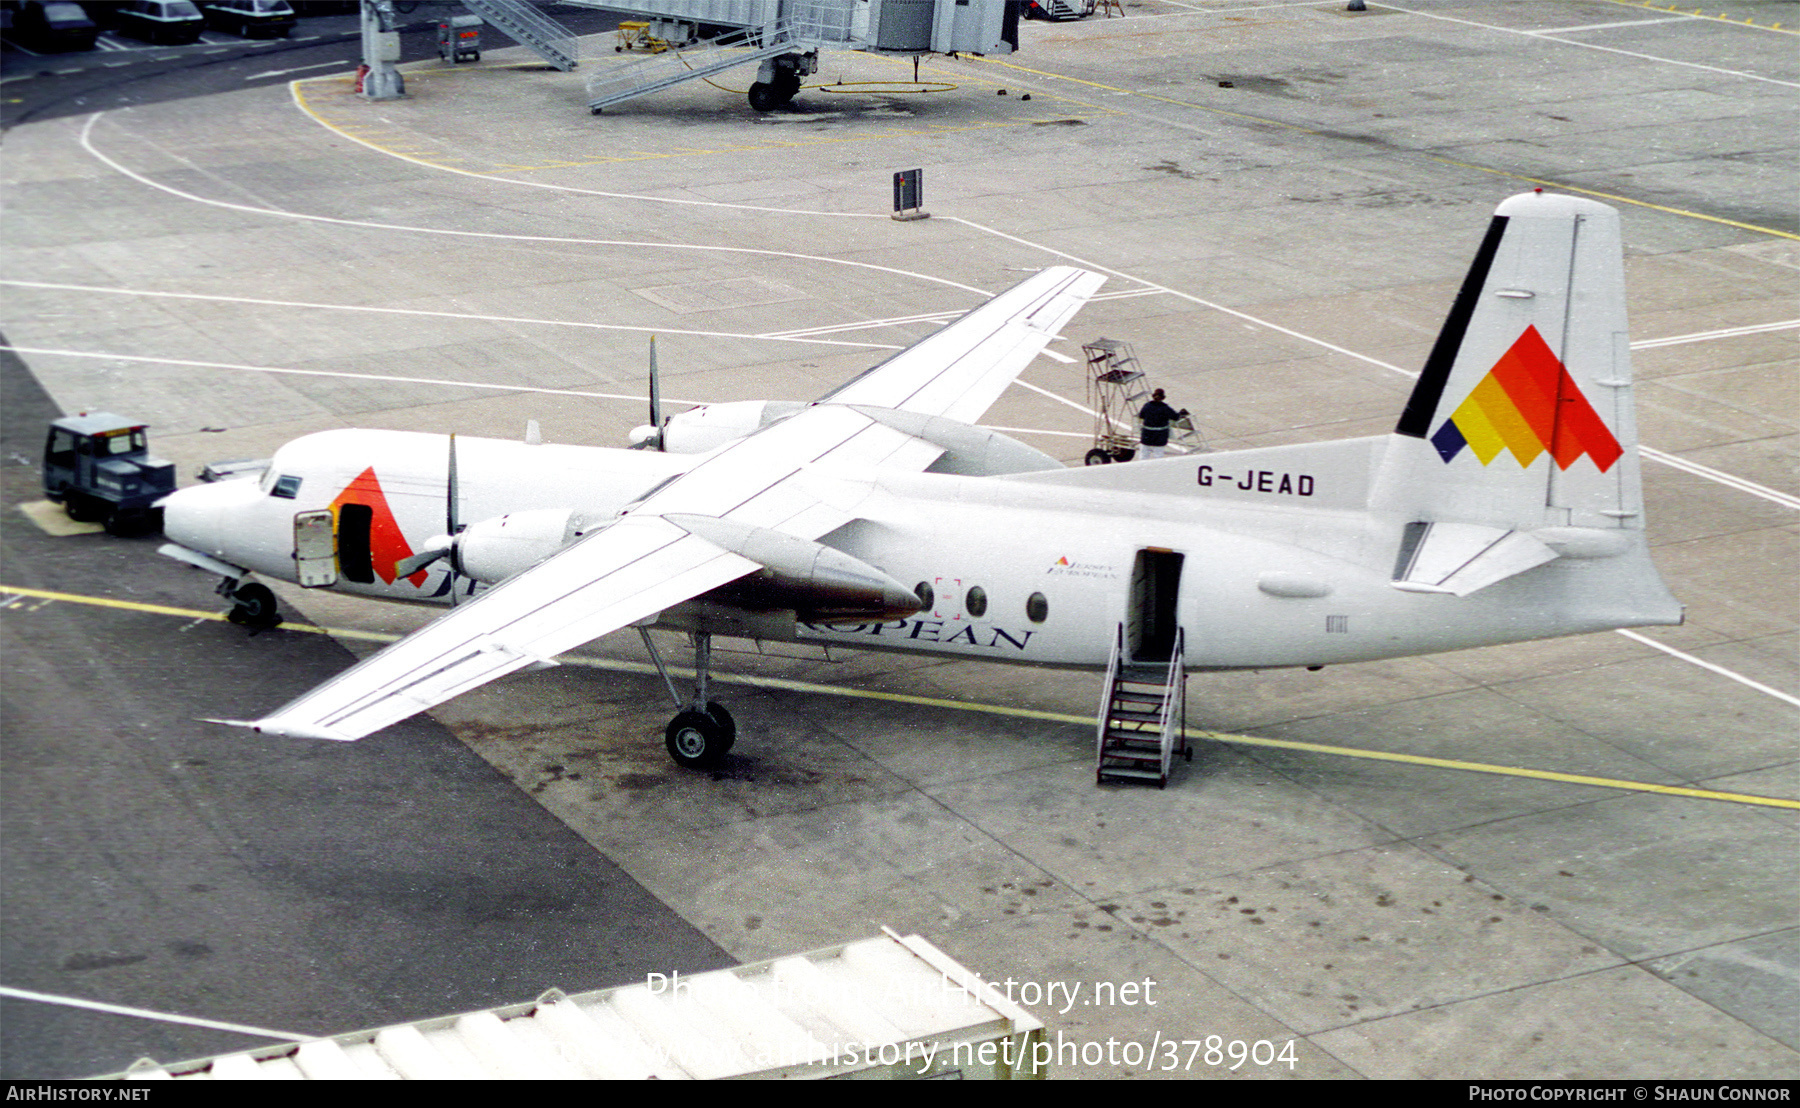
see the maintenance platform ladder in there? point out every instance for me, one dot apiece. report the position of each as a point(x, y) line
point(524, 24)
point(1142, 724)
point(689, 63)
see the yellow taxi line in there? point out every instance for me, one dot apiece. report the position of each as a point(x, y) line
point(788, 684)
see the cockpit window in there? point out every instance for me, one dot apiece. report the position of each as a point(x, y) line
point(287, 487)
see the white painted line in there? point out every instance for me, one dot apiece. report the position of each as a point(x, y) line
point(1148, 286)
point(1038, 431)
point(335, 373)
point(1723, 333)
point(444, 315)
point(298, 69)
point(301, 104)
point(1610, 26)
point(864, 324)
point(1152, 287)
point(145, 1013)
point(1604, 49)
point(1082, 408)
point(1718, 669)
point(1732, 481)
point(88, 145)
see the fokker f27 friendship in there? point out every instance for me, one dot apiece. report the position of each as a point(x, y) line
point(1504, 506)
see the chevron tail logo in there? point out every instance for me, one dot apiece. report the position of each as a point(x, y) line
point(1528, 404)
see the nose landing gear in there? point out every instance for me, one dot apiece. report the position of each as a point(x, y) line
point(252, 605)
point(702, 732)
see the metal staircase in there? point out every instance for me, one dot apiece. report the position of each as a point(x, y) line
point(527, 26)
point(1143, 716)
point(691, 63)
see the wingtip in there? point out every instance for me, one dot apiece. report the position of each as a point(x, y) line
point(285, 730)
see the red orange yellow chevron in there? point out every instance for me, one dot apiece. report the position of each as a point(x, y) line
point(1528, 404)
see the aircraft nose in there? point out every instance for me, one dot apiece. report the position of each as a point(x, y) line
point(194, 516)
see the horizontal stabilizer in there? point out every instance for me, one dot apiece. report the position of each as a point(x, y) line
point(1464, 558)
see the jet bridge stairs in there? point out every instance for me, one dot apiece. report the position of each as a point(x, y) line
point(1142, 724)
point(783, 39)
point(692, 63)
point(525, 25)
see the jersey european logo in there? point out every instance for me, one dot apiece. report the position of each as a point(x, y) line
point(1528, 404)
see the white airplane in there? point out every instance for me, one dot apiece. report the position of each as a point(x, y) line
point(1505, 506)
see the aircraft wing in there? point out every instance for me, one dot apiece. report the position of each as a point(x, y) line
point(611, 579)
point(961, 370)
point(644, 563)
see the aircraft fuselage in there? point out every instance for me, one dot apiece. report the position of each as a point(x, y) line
point(1260, 567)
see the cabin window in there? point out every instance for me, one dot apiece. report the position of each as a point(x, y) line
point(287, 487)
point(975, 603)
point(1037, 608)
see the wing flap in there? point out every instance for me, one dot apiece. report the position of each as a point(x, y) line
point(625, 573)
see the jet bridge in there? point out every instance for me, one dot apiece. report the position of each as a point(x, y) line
point(783, 38)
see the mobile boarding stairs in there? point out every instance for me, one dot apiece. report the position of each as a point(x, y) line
point(1142, 724)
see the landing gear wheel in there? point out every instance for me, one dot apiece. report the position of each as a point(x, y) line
point(726, 724)
point(1097, 457)
point(696, 740)
point(787, 86)
point(254, 606)
point(764, 98)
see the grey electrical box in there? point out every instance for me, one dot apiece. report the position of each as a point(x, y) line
point(935, 26)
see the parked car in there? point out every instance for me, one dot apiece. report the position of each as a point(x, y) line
point(250, 18)
point(54, 26)
point(174, 22)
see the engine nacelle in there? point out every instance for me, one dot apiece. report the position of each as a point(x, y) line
point(711, 426)
point(817, 583)
point(497, 548)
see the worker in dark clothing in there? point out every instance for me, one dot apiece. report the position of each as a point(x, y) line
point(1156, 417)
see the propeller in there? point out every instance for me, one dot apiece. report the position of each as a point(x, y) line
point(444, 545)
point(650, 436)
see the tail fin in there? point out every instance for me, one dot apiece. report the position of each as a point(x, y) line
point(1523, 417)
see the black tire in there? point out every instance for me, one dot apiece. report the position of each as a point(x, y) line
point(127, 524)
point(726, 724)
point(787, 86)
point(254, 605)
point(85, 509)
point(695, 740)
point(1096, 457)
point(764, 98)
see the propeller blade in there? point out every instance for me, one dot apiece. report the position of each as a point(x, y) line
point(406, 567)
point(452, 523)
point(451, 494)
point(655, 396)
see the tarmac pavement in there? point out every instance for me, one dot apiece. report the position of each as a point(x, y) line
point(1494, 863)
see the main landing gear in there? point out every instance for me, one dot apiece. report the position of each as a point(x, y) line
point(702, 732)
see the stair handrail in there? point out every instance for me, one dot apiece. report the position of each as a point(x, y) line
point(1174, 712)
point(541, 33)
point(1106, 701)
